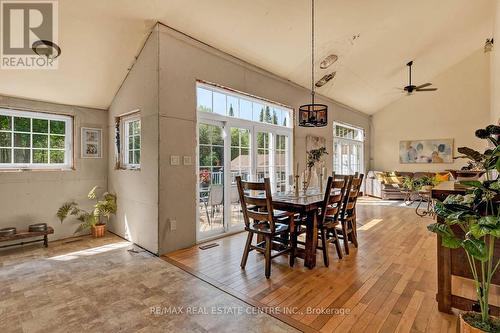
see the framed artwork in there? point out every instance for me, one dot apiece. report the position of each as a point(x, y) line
point(426, 151)
point(91, 142)
point(314, 142)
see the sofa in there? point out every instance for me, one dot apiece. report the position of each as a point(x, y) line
point(388, 185)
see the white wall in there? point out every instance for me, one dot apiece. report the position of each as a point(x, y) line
point(137, 190)
point(182, 62)
point(459, 107)
point(495, 69)
point(28, 197)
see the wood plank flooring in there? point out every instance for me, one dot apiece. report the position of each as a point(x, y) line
point(388, 284)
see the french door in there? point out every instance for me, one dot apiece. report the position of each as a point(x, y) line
point(227, 149)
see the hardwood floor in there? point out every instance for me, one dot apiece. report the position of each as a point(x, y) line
point(388, 284)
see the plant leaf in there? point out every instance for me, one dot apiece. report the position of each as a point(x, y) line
point(476, 248)
point(92, 193)
point(450, 242)
point(472, 183)
point(471, 154)
point(488, 220)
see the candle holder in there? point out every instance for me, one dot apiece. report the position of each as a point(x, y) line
point(321, 182)
point(296, 185)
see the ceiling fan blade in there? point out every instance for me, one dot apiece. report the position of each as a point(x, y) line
point(424, 85)
point(428, 89)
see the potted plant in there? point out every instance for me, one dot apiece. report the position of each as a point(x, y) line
point(425, 183)
point(96, 219)
point(476, 214)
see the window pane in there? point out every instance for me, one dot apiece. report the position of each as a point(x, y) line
point(57, 156)
point(217, 156)
point(205, 159)
point(204, 134)
point(21, 155)
point(5, 156)
point(130, 128)
point(279, 116)
point(40, 141)
point(57, 141)
point(22, 124)
point(40, 156)
point(131, 157)
point(204, 100)
point(40, 126)
point(245, 138)
point(130, 142)
point(137, 127)
point(5, 123)
point(235, 137)
point(137, 156)
point(219, 103)
point(232, 106)
point(245, 109)
point(258, 112)
point(216, 136)
point(286, 118)
point(22, 140)
point(5, 139)
point(137, 142)
point(57, 127)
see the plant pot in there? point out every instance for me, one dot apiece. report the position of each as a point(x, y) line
point(465, 327)
point(98, 230)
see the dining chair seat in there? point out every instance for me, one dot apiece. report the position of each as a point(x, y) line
point(265, 228)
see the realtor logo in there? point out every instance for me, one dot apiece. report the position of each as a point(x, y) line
point(29, 34)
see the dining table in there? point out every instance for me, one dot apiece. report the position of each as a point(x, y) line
point(306, 205)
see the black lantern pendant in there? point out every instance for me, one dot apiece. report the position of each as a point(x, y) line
point(313, 115)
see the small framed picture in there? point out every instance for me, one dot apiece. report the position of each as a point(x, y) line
point(91, 142)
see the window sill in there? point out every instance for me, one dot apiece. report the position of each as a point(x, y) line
point(128, 169)
point(13, 170)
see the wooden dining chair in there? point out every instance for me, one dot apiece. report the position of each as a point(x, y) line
point(267, 222)
point(328, 218)
point(347, 217)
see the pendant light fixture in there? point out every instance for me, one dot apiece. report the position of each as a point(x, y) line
point(314, 114)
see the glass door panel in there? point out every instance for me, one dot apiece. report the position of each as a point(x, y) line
point(263, 156)
point(211, 179)
point(281, 163)
point(241, 165)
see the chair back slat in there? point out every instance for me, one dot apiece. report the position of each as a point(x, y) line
point(332, 199)
point(352, 195)
point(254, 205)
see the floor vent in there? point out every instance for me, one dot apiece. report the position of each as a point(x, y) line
point(208, 246)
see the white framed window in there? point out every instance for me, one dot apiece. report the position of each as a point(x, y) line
point(227, 103)
point(35, 140)
point(348, 147)
point(131, 143)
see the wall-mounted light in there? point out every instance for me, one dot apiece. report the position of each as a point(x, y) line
point(324, 80)
point(328, 61)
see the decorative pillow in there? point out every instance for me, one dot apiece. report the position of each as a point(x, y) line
point(393, 180)
point(442, 177)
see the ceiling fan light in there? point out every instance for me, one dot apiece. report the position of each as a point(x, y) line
point(324, 80)
point(328, 61)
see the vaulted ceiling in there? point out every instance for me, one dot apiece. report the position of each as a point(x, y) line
point(99, 40)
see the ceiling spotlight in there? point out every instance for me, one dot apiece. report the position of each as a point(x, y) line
point(324, 80)
point(488, 46)
point(328, 61)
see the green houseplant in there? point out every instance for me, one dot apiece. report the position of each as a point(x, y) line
point(95, 219)
point(476, 215)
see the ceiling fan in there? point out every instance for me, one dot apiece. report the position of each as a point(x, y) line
point(410, 88)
